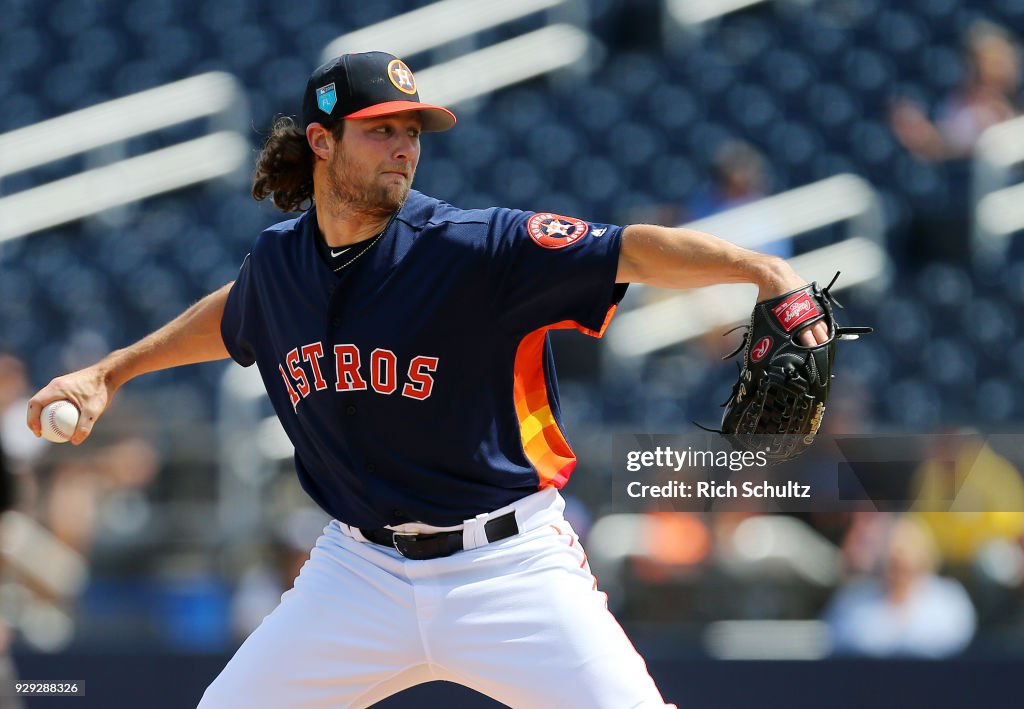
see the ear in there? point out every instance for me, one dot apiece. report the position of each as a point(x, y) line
point(320, 140)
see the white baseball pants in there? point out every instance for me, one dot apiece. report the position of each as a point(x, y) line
point(520, 620)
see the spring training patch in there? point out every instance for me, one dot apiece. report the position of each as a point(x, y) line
point(553, 231)
point(326, 97)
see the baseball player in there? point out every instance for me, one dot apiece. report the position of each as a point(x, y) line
point(403, 344)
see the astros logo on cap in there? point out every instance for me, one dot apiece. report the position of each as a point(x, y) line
point(553, 231)
point(401, 76)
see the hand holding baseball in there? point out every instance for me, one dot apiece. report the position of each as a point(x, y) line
point(67, 408)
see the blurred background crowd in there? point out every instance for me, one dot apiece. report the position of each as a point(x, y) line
point(178, 525)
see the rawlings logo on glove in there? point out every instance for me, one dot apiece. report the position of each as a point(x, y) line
point(796, 311)
point(778, 402)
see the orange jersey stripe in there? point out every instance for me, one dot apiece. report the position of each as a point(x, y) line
point(544, 443)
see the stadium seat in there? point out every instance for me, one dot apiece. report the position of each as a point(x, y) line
point(671, 176)
point(218, 16)
point(144, 16)
point(948, 361)
point(282, 79)
point(553, 145)
point(521, 180)
point(442, 177)
point(247, 45)
point(788, 71)
point(476, 143)
point(914, 404)
point(944, 284)
point(868, 72)
point(294, 17)
point(19, 110)
point(872, 143)
point(635, 75)
point(672, 106)
point(942, 67)
point(901, 33)
point(596, 108)
point(595, 177)
point(937, 10)
point(634, 144)
point(747, 38)
point(834, 107)
point(988, 322)
point(704, 139)
point(793, 144)
point(711, 74)
point(996, 401)
point(752, 108)
point(822, 36)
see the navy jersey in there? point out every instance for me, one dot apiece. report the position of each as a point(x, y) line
point(418, 383)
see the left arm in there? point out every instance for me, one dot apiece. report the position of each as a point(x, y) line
point(684, 258)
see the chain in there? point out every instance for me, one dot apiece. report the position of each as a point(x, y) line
point(363, 251)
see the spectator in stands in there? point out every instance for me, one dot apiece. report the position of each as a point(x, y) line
point(739, 176)
point(905, 609)
point(988, 95)
point(22, 447)
point(969, 496)
point(972, 500)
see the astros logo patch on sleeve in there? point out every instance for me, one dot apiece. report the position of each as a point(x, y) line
point(553, 231)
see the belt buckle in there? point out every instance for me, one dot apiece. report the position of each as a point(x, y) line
point(395, 537)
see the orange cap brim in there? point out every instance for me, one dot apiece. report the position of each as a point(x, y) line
point(435, 118)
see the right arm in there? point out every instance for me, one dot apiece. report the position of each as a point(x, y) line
point(194, 336)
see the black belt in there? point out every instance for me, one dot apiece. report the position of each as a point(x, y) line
point(416, 546)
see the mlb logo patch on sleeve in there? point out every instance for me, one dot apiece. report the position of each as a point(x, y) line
point(553, 231)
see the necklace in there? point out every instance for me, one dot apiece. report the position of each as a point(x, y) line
point(363, 250)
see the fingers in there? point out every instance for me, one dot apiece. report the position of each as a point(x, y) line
point(821, 333)
point(86, 420)
point(47, 395)
point(35, 407)
point(816, 334)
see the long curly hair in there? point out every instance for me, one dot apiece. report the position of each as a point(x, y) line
point(284, 168)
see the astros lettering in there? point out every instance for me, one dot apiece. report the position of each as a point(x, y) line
point(303, 372)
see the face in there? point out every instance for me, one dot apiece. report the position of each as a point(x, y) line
point(996, 64)
point(372, 169)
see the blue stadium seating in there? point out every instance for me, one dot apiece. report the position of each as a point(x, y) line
point(808, 84)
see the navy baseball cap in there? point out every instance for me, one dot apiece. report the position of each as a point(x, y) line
point(366, 85)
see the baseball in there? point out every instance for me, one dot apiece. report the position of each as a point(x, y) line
point(58, 421)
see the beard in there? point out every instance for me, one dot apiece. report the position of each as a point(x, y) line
point(354, 190)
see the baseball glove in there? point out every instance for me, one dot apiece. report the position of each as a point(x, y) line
point(778, 402)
